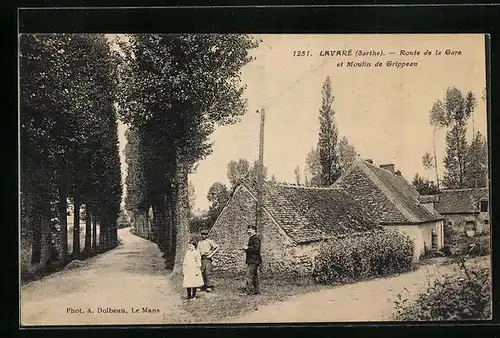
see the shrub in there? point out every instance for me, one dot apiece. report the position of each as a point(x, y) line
point(471, 246)
point(463, 296)
point(350, 259)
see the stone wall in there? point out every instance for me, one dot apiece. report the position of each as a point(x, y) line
point(458, 222)
point(280, 257)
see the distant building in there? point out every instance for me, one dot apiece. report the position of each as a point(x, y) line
point(465, 209)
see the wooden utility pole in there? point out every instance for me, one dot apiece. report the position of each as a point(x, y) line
point(260, 173)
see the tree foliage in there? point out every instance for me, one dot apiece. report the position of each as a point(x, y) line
point(423, 186)
point(175, 89)
point(237, 170)
point(453, 113)
point(347, 154)
point(297, 175)
point(68, 135)
point(313, 169)
point(217, 195)
point(328, 134)
point(427, 161)
point(476, 168)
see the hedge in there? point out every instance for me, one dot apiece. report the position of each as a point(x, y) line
point(462, 296)
point(354, 258)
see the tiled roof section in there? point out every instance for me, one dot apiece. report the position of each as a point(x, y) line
point(388, 198)
point(310, 214)
point(460, 200)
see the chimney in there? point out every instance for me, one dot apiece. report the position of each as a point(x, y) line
point(388, 167)
point(369, 160)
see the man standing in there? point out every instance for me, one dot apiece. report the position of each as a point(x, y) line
point(253, 260)
point(207, 249)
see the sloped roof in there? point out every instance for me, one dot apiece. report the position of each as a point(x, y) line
point(457, 201)
point(428, 199)
point(309, 214)
point(388, 198)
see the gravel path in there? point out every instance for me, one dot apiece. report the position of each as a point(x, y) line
point(364, 301)
point(129, 276)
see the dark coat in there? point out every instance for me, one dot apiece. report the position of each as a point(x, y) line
point(253, 250)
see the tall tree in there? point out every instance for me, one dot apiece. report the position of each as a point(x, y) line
point(453, 113)
point(313, 169)
point(347, 154)
point(328, 134)
point(476, 169)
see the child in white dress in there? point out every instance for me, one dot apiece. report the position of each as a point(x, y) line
point(191, 269)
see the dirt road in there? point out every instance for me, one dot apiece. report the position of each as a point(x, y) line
point(364, 301)
point(126, 278)
point(129, 285)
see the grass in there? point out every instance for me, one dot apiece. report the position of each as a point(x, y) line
point(226, 300)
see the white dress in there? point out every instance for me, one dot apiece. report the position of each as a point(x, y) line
point(191, 269)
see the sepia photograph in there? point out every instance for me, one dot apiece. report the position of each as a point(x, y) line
point(253, 178)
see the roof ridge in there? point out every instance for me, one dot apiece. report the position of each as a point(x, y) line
point(387, 192)
point(463, 189)
point(291, 185)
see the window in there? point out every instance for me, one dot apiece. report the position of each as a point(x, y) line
point(470, 226)
point(486, 221)
point(483, 206)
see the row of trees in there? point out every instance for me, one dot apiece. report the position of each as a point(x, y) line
point(465, 164)
point(175, 89)
point(68, 143)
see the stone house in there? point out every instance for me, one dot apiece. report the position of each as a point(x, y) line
point(465, 210)
point(393, 203)
point(296, 219)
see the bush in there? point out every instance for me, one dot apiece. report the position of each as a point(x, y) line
point(463, 296)
point(471, 246)
point(351, 259)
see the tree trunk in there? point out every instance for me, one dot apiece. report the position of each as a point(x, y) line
point(435, 157)
point(46, 242)
point(169, 224)
point(76, 229)
point(94, 228)
point(159, 222)
point(114, 232)
point(181, 216)
point(88, 227)
point(103, 231)
point(36, 250)
point(63, 222)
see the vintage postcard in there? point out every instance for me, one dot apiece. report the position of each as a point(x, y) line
point(239, 178)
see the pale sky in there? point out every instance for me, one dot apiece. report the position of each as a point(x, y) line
point(383, 111)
